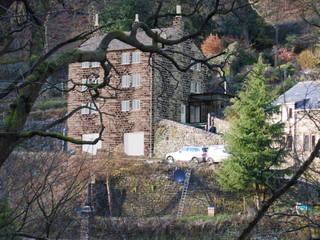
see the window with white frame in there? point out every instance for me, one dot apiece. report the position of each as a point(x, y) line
point(136, 57)
point(136, 105)
point(95, 64)
point(135, 80)
point(84, 83)
point(89, 108)
point(94, 80)
point(125, 58)
point(125, 81)
point(91, 148)
point(83, 86)
point(85, 64)
point(125, 106)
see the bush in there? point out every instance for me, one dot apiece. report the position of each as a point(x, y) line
point(309, 59)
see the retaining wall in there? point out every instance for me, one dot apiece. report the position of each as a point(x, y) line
point(170, 136)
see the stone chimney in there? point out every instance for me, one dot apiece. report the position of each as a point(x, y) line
point(177, 20)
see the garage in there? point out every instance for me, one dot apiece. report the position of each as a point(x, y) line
point(134, 143)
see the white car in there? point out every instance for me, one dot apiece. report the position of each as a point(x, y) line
point(194, 154)
point(216, 153)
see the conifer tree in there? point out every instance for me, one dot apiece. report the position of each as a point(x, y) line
point(253, 141)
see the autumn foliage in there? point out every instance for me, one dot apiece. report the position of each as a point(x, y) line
point(212, 45)
point(286, 55)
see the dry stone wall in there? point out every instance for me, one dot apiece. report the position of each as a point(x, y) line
point(170, 136)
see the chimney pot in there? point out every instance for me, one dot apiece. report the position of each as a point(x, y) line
point(178, 9)
point(137, 18)
point(96, 23)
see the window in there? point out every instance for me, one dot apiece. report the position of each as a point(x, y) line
point(85, 64)
point(84, 110)
point(136, 105)
point(289, 143)
point(94, 81)
point(136, 80)
point(90, 108)
point(306, 143)
point(95, 64)
point(194, 114)
point(83, 86)
point(125, 106)
point(91, 148)
point(183, 113)
point(84, 82)
point(125, 58)
point(313, 142)
point(198, 87)
point(193, 67)
point(193, 87)
point(198, 67)
point(290, 113)
point(125, 81)
point(136, 57)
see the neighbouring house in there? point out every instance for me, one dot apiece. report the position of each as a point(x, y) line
point(149, 87)
point(300, 112)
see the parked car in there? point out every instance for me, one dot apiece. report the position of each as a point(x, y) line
point(194, 154)
point(216, 153)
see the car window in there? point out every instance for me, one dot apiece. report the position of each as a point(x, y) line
point(204, 150)
point(185, 149)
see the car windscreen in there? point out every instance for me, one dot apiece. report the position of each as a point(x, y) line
point(205, 149)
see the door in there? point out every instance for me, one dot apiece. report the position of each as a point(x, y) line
point(134, 143)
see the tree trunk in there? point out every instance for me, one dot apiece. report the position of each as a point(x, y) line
point(109, 195)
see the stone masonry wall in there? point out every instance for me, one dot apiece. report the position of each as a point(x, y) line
point(171, 136)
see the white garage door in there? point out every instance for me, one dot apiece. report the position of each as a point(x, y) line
point(134, 144)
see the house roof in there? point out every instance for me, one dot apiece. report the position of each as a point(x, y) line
point(92, 43)
point(303, 95)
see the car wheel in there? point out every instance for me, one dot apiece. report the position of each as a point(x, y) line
point(210, 160)
point(194, 160)
point(170, 159)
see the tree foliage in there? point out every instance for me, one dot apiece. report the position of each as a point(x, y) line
point(252, 139)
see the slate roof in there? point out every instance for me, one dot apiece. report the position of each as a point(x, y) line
point(92, 43)
point(305, 95)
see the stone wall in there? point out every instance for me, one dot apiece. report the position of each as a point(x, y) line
point(171, 136)
point(221, 125)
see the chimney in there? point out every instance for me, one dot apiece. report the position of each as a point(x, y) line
point(96, 26)
point(177, 20)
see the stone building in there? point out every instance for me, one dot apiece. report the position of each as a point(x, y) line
point(147, 87)
point(300, 112)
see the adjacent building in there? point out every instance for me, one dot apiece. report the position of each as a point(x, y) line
point(300, 111)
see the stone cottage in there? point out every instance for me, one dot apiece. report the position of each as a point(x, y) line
point(300, 112)
point(146, 87)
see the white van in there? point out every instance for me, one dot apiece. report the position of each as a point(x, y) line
point(216, 153)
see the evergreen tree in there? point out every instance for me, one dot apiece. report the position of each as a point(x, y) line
point(253, 141)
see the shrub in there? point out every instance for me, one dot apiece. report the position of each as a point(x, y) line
point(286, 55)
point(308, 59)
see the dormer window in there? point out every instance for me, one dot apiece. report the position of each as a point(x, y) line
point(125, 58)
point(136, 57)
